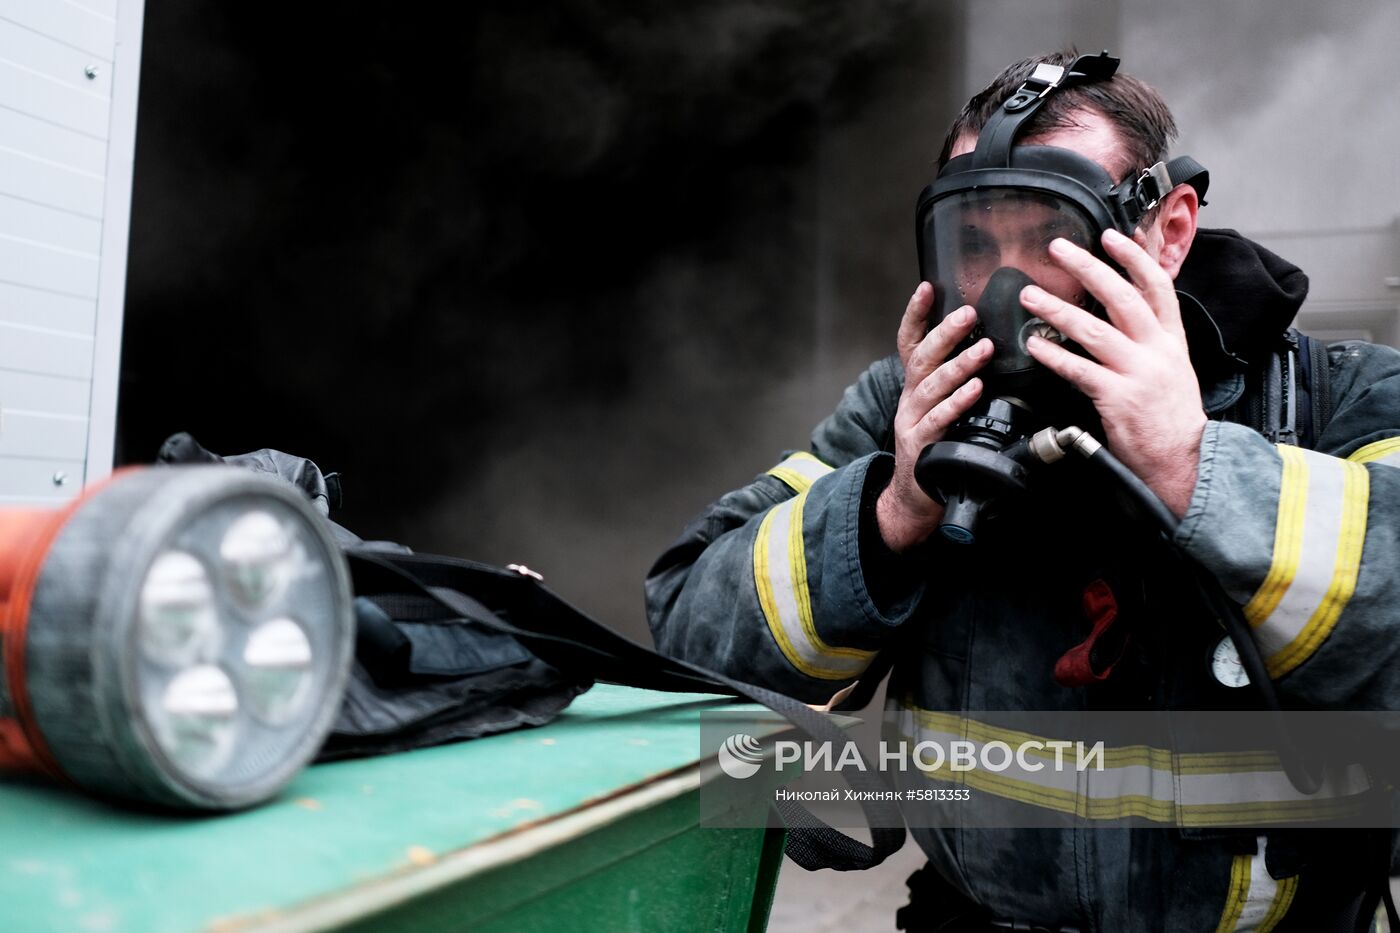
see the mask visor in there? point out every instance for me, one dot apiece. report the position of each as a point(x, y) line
point(982, 246)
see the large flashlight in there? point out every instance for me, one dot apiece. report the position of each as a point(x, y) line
point(178, 636)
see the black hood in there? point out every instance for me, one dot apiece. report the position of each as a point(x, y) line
point(1244, 298)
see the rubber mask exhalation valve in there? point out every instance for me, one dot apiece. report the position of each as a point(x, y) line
point(983, 464)
point(983, 459)
point(1003, 320)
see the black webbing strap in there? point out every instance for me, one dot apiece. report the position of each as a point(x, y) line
point(1317, 387)
point(562, 635)
point(1006, 123)
point(1293, 398)
point(1184, 170)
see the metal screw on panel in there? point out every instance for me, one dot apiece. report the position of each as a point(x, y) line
point(60, 478)
point(90, 71)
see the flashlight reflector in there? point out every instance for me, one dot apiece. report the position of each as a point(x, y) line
point(256, 553)
point(195, 721)
point(278, 659)
point(179, 624)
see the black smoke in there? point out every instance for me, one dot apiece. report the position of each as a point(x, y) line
point(530, 275)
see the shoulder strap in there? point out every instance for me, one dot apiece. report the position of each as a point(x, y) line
point(1317, 376)
point(1292, 401)
point(570, 640)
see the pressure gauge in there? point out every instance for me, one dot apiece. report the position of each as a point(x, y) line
point(1225, 665)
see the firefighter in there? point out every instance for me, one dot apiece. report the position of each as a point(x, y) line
point(837, 561)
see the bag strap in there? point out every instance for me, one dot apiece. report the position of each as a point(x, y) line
point(564, 636)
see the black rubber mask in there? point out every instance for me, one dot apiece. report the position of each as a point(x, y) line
point(984, 228)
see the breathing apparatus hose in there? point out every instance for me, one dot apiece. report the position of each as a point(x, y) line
point(1054, 444)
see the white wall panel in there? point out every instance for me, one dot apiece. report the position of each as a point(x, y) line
point(46, 142)
point(24, 91)
point(47, 183)
point(49, 353)
point(31, 481)
point(67, 22)
point(69, 72)
point(52, 59)
point(24, 263)
point(52, 395)
point(47, 226)
point(107, 8)
point(35, 308)
point(48, 437)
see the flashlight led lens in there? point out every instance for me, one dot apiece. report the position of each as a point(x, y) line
point(179, 623)
point(278, 659)
point(197, 718)
point(257, 556)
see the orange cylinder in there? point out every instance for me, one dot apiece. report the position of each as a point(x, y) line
point(25, 538)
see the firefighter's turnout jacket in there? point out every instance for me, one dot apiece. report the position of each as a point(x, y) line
point(786, 583)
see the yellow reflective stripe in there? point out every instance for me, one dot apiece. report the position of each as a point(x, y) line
point(800, 471)
point(1141, 806)
point(1198, 816)
point(1318, 539)
point(1288, 537)
point(1255, 900)
point(763, 582)
point(1377, 451)
point(1283, 900)
point(1238, 894)
point(1346, 568)
point(1120, 756)
point(780, 578)
point(1156, 809)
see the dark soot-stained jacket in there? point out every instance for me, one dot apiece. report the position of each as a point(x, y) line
point(785, 583)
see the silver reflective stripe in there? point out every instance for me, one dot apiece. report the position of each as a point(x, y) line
point(1255, 900)
point(1318, 537)
point(1272, 785)
point(1202, 789)
point(800, 471)
point(780, 578)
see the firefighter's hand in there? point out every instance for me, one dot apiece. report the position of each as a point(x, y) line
point(1140, 378)
point(937, 391)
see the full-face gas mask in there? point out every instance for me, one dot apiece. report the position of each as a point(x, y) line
point(983, 229)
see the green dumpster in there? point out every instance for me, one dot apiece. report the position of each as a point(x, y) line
point(588, 823)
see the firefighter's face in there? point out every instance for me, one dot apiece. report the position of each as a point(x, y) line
point(1012, 230)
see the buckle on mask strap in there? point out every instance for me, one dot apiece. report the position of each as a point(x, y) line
point(1148, 189)
point(1042, 81)
point(1152, 186)
point(999, 135)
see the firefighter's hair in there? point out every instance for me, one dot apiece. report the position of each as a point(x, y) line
point(1137, 113)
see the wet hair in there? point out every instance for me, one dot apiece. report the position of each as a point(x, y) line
point(1137, 113)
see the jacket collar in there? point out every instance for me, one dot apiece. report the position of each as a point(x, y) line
point(1236, 299)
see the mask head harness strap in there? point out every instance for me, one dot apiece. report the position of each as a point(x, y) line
point(1131, 199)
point(999, 135)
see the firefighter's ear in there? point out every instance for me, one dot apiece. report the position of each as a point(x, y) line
point(1170, 237)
